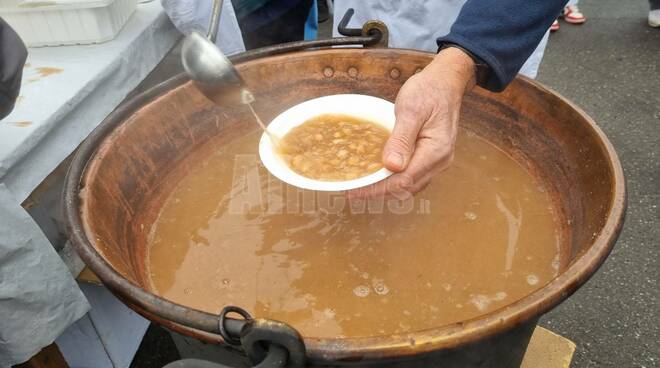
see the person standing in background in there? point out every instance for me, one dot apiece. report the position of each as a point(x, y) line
point(571, 15)
point(244, 24)
point(270, 22)
point(654, 13)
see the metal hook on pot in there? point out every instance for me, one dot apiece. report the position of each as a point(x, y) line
point(270, 343)
point(371, 28)
point(373, 33)
point(267, 343)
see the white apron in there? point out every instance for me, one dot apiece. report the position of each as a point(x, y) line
point(195, 15)
point(415, 24)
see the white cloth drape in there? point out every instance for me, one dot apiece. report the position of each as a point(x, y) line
point(195, 15)
point(415, 24)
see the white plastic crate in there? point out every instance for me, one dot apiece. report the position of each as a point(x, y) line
point(66, 22)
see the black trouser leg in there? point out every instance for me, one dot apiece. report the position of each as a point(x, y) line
point(655, 4)
point(290, 26)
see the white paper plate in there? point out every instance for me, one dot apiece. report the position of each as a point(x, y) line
point(371, 108)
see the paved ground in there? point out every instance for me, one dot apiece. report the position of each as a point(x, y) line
point(609, 66)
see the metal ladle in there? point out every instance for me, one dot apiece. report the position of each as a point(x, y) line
point(210, 70)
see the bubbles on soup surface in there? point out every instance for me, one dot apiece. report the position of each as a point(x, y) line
point(361, 291)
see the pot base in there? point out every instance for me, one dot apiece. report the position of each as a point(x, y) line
point(546, 349)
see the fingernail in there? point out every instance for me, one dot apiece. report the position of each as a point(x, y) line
point(395, 159)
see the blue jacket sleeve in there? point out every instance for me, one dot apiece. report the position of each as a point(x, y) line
point(502, 33)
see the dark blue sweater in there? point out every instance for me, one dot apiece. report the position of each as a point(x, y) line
point(503, 33)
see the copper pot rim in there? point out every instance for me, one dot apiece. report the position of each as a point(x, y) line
point(449, 336)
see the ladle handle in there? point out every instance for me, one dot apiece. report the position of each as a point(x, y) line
point(215, 20)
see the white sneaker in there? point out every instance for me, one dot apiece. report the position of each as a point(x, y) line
point(654, 18)
point(573, 15)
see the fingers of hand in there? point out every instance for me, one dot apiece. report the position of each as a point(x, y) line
point(422, 141)
point(428, 160)
point(400, 146)
point(411, 114)
point(398, 186)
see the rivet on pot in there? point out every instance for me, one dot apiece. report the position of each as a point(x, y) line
point(395, 73)
point(328, 72)
point(352, 72)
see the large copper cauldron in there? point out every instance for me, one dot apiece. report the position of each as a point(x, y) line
point(118, 177)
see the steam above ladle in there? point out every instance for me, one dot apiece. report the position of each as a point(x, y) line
point(212, 72)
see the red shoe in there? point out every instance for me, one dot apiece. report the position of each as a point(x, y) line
point(572, 15)
point(555, 26)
